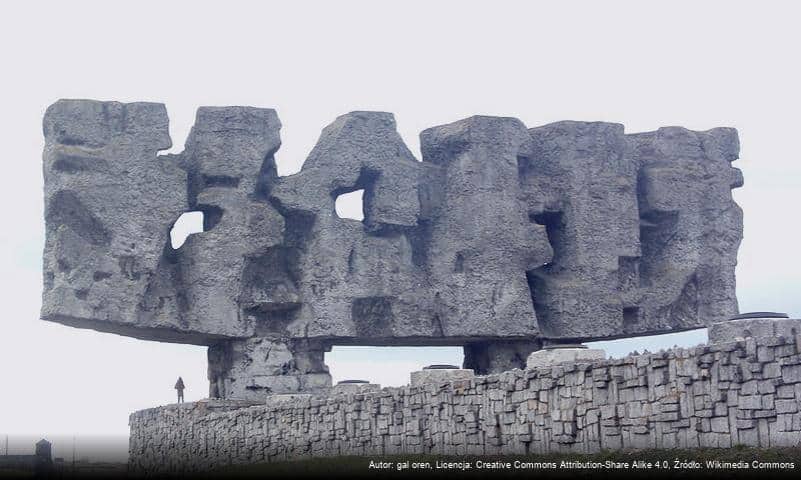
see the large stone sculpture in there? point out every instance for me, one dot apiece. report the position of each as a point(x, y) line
point(501, 239)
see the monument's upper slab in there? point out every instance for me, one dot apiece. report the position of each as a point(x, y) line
point(572, 230)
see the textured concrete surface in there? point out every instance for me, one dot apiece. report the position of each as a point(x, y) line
point(355, 388)
point(501, 238)
point(439, 376)
point(754, 327)
point(719, 395)
point(285, 399)
point(544, 358)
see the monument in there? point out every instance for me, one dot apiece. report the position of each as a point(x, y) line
point(502, 239)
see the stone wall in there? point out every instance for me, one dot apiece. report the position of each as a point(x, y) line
point(719, 395)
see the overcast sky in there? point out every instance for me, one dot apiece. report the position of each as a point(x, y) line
point(694, 64)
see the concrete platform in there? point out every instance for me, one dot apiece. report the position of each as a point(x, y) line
point(355, 387)
point(553, 356)
point(440, 375)
point(735, 330)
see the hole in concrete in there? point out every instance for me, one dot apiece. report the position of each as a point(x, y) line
point(350, 205)
point(631, 315)
point(555, 229)
point(187, 224)
point(537, 278)
point(388, 366)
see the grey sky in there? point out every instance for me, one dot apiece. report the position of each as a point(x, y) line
point(695, 64)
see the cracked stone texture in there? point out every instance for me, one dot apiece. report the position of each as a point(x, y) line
point(354, 388)
point(710, 396)
point(439, 376)
point(754, 327)
point(502, 237)
point(546, 358)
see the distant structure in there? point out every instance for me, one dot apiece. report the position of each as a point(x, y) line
point(502, 240)
point(40, 462)
point(44, 450)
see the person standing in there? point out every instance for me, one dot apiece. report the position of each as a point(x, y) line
point(179, 386)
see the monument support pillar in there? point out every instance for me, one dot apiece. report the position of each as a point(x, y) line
point(255, 368)
point(498, 356)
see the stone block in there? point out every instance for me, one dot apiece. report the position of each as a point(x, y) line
point(440, 376)
point(548, 357)
point(354, 388)
point(750, 402)
point(791, 374)
point(734, 330)
point(786, 406)
point(287, 400)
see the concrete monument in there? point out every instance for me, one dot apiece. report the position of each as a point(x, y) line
point(502, 239)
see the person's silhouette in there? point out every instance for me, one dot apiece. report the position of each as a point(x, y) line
point(179, 386)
